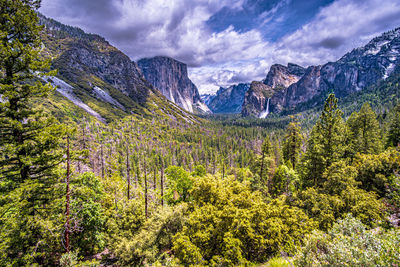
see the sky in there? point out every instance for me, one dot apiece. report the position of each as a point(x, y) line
point(226, 42)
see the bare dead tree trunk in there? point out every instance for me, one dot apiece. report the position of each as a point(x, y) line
point(67, 225)
point(145, 187)
point(155, 178)
point(102, 161)
point(162, 183)
point(128, 176)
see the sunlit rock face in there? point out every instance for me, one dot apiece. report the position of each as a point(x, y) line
point(171, 78)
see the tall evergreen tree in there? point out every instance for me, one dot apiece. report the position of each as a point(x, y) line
point(29, 148)
point(365, 136)
point(292, 144)
point(326, 144)
point(393, 137)
point(266, 148)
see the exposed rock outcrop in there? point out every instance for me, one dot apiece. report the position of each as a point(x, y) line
point(97, 77)
point(278, 79)
point(355, 71)
point(230, 99)
point(171, 78)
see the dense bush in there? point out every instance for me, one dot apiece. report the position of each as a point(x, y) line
point(349, 243)
point(229, 224)
point(152, 243)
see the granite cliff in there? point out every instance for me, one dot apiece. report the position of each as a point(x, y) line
point(229, 100)
point(290, 86)
point(97, 77)
point(257, 100)
point(171, 78)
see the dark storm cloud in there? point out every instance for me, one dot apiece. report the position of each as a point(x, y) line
point(98, 11)
point(331, 42)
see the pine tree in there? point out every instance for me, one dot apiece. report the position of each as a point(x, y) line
point(365, 136)
point(266, 148)
point(29, 146)
point(326, 144)
point(292, 144)
point(393, 137)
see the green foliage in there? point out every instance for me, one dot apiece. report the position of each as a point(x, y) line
point(199, 170)
point(87, 214)
point(153, 241)
point(349, 243)
point(338, 196)
point(178, 184)
point(29, 142)
point(69, 259)
point(393, 137)
point(230, 224)
point(375, 172)
point(326, 144)
point(125, 222)
point(292, 144)
point(284, 181)
point(365, 135)
point(278, 262)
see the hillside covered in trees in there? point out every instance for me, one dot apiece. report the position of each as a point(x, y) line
point(316, 188)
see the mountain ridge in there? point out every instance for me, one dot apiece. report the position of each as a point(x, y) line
point(356, 70)
point(101, 76)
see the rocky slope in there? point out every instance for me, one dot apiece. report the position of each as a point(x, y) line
point(171, 78)
point(355, 71)
point(228, 100)
point(283, 76)
point(257, 100)
point(98, 77)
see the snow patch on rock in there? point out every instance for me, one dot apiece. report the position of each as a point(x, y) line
point(375, 50)
point(388, 71)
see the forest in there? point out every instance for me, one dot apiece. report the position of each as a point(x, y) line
point(160, 191)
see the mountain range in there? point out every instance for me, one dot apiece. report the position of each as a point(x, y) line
point(286, 88)
point(103, 81)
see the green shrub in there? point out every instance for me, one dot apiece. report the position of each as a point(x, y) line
point(349, 243)
point(228, 224)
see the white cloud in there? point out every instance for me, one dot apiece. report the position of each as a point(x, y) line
point(146, 28)
point(336, 30)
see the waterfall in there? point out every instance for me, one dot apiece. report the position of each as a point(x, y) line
point(265, 113)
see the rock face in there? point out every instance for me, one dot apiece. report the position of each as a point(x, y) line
point(229, 100)
point(206, 98)
point(355, 71)
point(304, 89)
point(279, 77)
point(359, 69)
point(80, 57)
point(98, 78)
point(256, 99)
point(171, 78)
point(282, 76)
